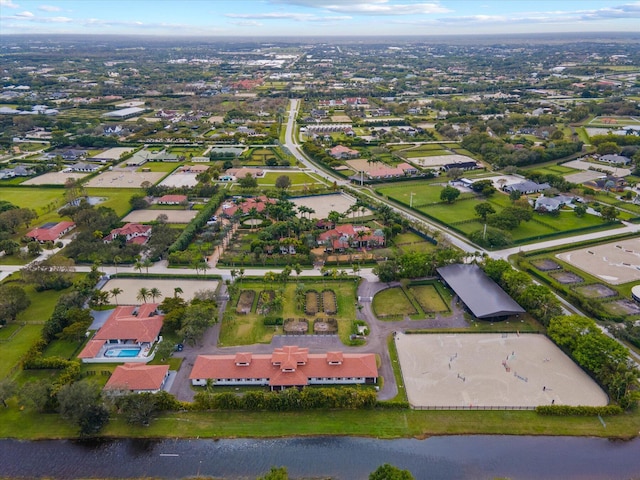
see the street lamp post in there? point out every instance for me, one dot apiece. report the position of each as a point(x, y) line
point(411, 199)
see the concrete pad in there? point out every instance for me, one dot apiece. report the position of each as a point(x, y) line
point(491, 370)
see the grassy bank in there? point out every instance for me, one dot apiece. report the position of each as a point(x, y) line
point(371, 423)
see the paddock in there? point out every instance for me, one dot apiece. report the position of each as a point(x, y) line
point(491, 370)
point(124, 179)
point(323, 204)
point(54, 178)
point(150, 215)
point(131, 286)
point(615, 263)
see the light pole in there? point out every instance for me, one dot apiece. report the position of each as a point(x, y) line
point(411, 199)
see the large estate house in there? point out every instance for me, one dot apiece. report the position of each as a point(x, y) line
point(342, 152)
point(350, 236)
point(289, 366)
point(127, 335)
point(131, 232)
point(50, 232)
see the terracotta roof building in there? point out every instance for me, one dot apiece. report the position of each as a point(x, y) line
point(50, 232)
point(172, 199)
point(350, 236)
point(340, 151)
point(138, 378)
point(289, 366)
point(246, 204)
point(132, 232)
point(127, 335)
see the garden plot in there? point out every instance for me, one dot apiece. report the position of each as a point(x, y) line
point(124, 179)
point(54, 178)
point(615, 263)
point(131, 286)
point(491, 370)
point(150, 215)
point(180, 179)
point(323, 204)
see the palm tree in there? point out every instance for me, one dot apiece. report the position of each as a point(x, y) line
point(143, 293)
point(115, 292)
point(138, 266)
point(146, 264)
point(116, 261)
point(155, 293)
point(177, 291)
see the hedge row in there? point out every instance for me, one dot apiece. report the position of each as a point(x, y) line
point(581, 411)
point(188, 234)
point(291, 399)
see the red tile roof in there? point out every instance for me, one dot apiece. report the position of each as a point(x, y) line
point(137, 376)
point(287, 366)
point(172, 199)
point(123, 325)
point(130, 229)
point(51, 233)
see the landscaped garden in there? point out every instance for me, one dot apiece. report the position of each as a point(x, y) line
point(254, 317)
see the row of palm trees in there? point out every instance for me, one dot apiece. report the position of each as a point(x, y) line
point(143, 294)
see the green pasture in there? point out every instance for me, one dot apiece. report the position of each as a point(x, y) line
point(164, 167)
point(13, 350)
point(410, 242)
point(392, 302)
point(424, 153)
point(297, 178)
point(553, 169)
point(428, 298)
point(32, 197)
point(116, 198)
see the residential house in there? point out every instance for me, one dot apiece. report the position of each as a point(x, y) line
point(126, 336)
point(245, 205)
point(286, 367)
point(112, 130)
point(50, 232)
point(527, 187)
point(132, 232)
point(615, 159)
point(137, 378)
point(346, 236)
point(238, 173)
point(342, 152)
point(380, 171)
point(609, 182)
point(552, 204)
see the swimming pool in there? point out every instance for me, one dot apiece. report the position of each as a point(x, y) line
point(126, 352)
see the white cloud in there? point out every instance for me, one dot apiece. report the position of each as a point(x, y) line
point(370, 7)
point(247, 23)
point(25, 14)
point(49, 8)
point(298, 17)
point(8, 4)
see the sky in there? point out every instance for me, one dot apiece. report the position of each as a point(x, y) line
point(316, 17)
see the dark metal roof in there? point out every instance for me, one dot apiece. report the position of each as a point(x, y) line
point(479, 293)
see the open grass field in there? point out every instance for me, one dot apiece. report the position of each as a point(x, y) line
point(297, 178)
point(32, 197)
point(164, 167)
point(479, 370)
point(615, 263)
point(428, 298)
point(115, 198)
point(13, 350)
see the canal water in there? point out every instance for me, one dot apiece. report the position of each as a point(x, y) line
point(343, 458)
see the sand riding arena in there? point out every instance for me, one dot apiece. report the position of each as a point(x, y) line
point(502, 371)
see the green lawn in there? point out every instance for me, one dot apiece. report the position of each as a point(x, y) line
point(424, 153)
point(428, 298)
point(159, 166)
point(392, 302)
point(42, 304)
point(32, 197)
point(116, 198)
point(297, 178)
point(13, 350)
